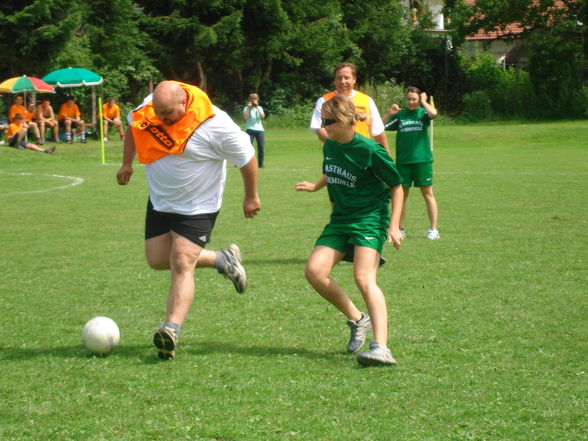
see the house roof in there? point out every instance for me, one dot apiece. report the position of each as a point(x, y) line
point(509, 30)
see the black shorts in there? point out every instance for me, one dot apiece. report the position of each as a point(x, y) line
point(196, 228)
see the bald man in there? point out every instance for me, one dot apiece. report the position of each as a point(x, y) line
point(184, 142)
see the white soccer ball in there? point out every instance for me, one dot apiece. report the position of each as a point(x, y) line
point(100, 335)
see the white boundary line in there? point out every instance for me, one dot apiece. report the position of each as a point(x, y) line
point(74, 181)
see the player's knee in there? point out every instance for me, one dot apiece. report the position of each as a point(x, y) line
point(312, 273)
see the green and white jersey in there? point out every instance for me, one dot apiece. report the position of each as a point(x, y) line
point(359, 175)
point(412, 138)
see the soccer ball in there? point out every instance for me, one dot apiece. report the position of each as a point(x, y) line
point(100, 335)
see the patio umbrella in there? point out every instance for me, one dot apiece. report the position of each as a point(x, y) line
point(25, 84)
point(73, 77)
point(76, 77)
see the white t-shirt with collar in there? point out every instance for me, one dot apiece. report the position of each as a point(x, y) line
point(377, 125)
point(193, 182)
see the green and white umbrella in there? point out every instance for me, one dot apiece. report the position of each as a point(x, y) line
point(73, 77)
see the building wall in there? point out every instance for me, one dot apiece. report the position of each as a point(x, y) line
point(435, 7)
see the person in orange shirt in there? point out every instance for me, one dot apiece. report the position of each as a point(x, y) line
point(17, 107)
point(32, 126)
point(45, 117)
point(111, 114)
point(69, 114)
point(17, 136)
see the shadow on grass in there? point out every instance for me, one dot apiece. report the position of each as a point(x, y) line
point(211, 347)
point(290, 261)
point(147, 353)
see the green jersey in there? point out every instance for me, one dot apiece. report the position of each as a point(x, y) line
point(359, 175)
point(412, 138)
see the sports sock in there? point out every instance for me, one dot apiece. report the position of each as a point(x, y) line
point(220, 262)
point(174, 326)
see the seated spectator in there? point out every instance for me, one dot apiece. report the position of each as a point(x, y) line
point(17, 137)
point(17, 107)
point(45, 118)
point(111, 114)
point(32, 126)
point(69, 115)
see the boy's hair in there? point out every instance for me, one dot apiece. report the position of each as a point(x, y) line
point(253, 96)
point(413, 89)
point(342, 109)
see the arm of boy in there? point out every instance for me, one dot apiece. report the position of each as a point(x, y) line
point(309, 186)
point(394, 234)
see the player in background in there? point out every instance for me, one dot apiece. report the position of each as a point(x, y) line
point(414, 157)
point(368, 121)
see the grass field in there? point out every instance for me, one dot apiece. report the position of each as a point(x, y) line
point(489, 324)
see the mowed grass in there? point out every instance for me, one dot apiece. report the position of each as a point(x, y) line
point(488, 324)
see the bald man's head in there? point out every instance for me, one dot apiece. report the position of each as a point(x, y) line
point(169, 102)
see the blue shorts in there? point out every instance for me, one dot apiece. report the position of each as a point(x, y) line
point(13, 142)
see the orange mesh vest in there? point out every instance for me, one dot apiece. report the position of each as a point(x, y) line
point(153, 139)
point(362, 108)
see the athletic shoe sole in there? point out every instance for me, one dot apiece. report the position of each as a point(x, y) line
point(166, 343)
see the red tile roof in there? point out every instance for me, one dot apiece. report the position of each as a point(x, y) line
point(510, 29)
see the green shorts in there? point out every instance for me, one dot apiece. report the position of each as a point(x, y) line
point(345, 237)
point(420, 174)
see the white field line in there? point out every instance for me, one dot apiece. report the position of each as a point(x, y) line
point(73, 182)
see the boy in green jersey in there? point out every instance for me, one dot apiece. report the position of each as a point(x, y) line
point(361, 178)
point(414, 158)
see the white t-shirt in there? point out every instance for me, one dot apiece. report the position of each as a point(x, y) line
point(193, 181)
point(376, 128)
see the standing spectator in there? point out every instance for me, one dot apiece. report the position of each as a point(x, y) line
point(369, 123)
point(69, 115)
point(17, 136)
point(185, 142)
point(45, 118)
point(253, 114)
point(414, 158)
point(361, 180)
point(111, 115)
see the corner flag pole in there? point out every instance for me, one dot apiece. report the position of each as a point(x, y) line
point(432, 130)
point(101, 128)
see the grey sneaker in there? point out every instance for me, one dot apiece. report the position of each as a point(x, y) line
point(166, 340)
point(359, 330)
point(233, 269)
point(377, 356)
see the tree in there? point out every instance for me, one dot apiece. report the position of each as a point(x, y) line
point(118, 48)
point(552, 34)
point(376, 28)
point(196, 41)
point(33, 35)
